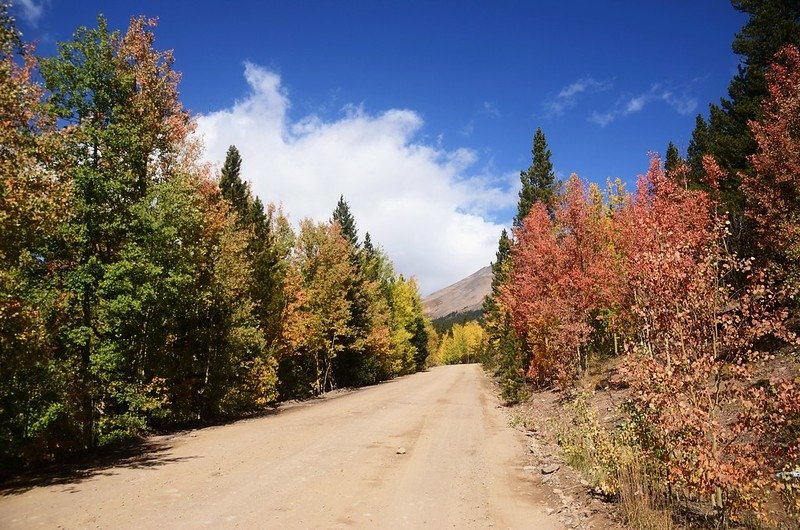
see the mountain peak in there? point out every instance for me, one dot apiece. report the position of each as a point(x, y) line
point(463, 296)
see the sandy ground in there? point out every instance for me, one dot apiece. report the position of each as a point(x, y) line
point(329, 463)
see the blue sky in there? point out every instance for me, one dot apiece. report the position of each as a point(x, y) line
point(373, 98)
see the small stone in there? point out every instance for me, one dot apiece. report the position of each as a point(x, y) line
point(585, 483)
point(401, 451)
point(550, 469)
point(558, 491)
point(529, 468)
point(549, 511)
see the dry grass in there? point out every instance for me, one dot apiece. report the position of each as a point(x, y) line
point(613, 468)
point(642, 505)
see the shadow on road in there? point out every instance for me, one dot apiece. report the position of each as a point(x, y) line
point(142, 455)
point(145, 454)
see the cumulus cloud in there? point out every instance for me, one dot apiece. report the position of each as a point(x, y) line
point(419, 201)
point(568, 97)
point(29, 10)
point(682, 103)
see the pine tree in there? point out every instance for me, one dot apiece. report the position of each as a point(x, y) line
point(772, 24)
point(539, 183)
point(493, 312)
point(344, 217)
point(672, 158)
point(356, 364)
point(698, 146)
point(726, 135)
point(369, 249)
point(266, 251)
point(499, 272)
point(233, 188)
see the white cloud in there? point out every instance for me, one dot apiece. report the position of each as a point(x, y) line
point(635, 104)
point(602, 119)
point(418, 201)
point(569, 96)
point(683, 104)
point(30, 10)
point(490, 109)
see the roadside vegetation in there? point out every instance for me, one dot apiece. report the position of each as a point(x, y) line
point(142, 289)
point(667, 314)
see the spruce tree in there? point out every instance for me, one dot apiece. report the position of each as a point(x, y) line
point(672, 159)
point(500, 265)
point(772, 24)
point(539, 182)
point(539, 185)
point(698, 146)
point(502, 344)
point(349, 368)
point(266, 253)
point(233, 188)
point(369, 249)
point(492, 313)
point(347, 223)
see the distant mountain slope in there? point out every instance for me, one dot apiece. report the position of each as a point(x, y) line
point(464, 296)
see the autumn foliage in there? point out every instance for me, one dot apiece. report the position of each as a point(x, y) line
point(138, 290)
point(649, 275)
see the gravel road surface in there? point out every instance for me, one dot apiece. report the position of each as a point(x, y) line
point(432, 450)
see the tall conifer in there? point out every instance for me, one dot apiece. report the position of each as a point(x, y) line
point(232, 186)
point(347, 222)
point(539, 182)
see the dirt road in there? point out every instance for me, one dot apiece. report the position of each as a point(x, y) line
point(330, 463)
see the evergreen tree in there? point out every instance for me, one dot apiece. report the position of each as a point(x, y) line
point(501, 343)
point(344, 217)
point(491, 310)
point(698, 146)
point(772, 24)
point(726, 135)
point(267, 248)
point(672, 159)
point(369, 249)
point(350, 363)
point(511, 362)
point(233, 188)
point(539, 183)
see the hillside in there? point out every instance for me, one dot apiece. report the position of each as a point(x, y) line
point(464, 296)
